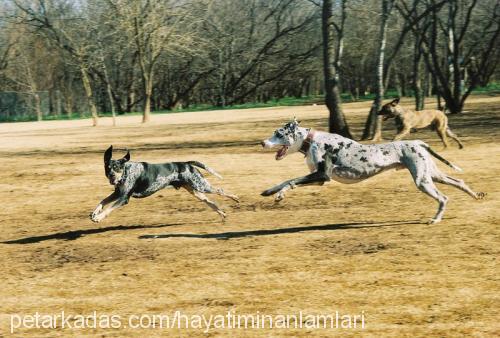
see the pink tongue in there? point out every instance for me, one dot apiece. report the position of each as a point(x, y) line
point(281, 151)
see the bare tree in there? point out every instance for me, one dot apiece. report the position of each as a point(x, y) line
point(417, 74)
point(125, 55)
point(337, 123)
point(373, 127)
point(256, 44)
point(66, 34)
point(474, 58)
point(154, 26)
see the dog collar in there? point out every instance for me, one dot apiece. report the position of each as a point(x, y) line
point(307, 142)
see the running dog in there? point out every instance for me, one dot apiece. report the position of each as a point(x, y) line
point(141, 179)
point(333, 157)
point(407, 120)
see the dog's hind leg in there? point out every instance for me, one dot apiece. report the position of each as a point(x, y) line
point(454, 137)
point(198, 183)
point(221, 192)
point(421, 171)
point(430, 189)
point(459, 184)
point(202, 197)
point(442, 135)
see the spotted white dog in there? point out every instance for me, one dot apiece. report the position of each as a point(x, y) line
point(331, 156)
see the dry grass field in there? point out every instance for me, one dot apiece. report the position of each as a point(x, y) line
point(362, 248)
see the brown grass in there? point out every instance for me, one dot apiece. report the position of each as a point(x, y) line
point(346, 248)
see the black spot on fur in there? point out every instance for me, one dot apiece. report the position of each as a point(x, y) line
point(363, 159)
point(328, 156)
point(177, 184)
point(385, 152)
point(413, 150)
point(321, 165)
point(329, 149)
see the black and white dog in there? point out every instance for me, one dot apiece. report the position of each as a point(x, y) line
point(142, 179)
point(331, 156)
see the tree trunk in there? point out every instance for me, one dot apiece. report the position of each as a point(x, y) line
point(373, 126)
point(417, 83)
point(109, 91)
point(340, 42)
point(404, 84)
point(336, 121)
point(57, 93)
point(428, 83)
point(38, 109)
point(68, 103)
point(90, 97)
point(398, 82)
point(146, 116)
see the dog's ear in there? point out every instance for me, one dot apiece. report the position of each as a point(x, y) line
point(395, 101)
point(108, 154)
point(127, 157)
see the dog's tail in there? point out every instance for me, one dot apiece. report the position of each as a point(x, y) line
point(207, 168)
point(439, 157)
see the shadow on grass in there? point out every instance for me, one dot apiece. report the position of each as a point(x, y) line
point(75, 234)
point(281, 231)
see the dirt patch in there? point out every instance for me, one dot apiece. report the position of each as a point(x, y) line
point(352, 248)
point(348, 247)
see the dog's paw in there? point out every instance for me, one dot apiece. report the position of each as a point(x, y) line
point(96, 217)
point(433, 221)
point(480, 195)
point(279, 197)
point(222, 214)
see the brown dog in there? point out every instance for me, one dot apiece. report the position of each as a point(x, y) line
point(407, 120)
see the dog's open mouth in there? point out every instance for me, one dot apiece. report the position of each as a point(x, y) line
point(281, 152)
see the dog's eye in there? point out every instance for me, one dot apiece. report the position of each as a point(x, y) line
point(279, 133)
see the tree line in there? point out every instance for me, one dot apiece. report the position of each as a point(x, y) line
point(119, 56)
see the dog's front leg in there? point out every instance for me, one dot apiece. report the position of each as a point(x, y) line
point(280, 195)
point(318, 177)
point(405, 131)
point(106, 211)
point(104, 202)
point(276, 188)
point(107, 205)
